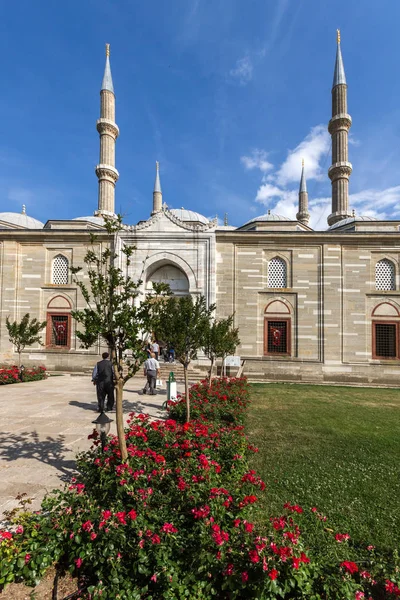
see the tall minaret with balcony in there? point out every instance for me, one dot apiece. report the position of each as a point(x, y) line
point(157, 193)
point(303, 215)
point(338, 127)
point(108, 130)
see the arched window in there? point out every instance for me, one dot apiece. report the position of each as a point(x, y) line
point(385, 275)
point(277, 273)
point(277, 327)
point(385, 331)
point(59, 323)
point(60, 270)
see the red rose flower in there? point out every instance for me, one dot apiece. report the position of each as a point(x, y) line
point(273, 574)
point(349, 566)
point(253, 554)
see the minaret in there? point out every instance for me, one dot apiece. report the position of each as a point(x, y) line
point(338, 127)
point(303, 215)
point(108, 130)
point(157, 193)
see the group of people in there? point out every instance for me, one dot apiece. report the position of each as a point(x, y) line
point(103, 373)
point(161, 350)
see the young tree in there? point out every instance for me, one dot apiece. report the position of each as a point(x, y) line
point(113, 315)
point(183, 322)
point(220, 340)
point(25, 333)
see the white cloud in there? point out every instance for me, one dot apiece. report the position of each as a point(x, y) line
point(380, 204)
point(320, 209)
point(243, 71)
point(267, 192)
point(257, 160)
point(313, 149)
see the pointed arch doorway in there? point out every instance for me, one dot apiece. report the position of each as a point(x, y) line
point(172, 275)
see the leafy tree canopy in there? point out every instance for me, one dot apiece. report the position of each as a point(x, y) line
point(25, 333)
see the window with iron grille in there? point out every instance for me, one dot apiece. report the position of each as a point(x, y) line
point(277, 275)
point(385, 275)
point(60, 270)
point(386, 340)
point(277, 334)
point(59, 330)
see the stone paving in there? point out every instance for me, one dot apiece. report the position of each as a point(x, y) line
point(43, 426)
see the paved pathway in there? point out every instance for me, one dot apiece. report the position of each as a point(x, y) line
point(45, 423)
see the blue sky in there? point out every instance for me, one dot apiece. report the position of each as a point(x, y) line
point(227, 94)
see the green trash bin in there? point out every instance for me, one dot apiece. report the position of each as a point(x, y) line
point(171, 387)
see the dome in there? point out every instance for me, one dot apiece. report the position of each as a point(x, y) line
point(188, 215)
point(350, 220)
point(20, 221)
point(95, 220)
point(269, 216)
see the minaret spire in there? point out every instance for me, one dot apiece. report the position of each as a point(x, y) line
point(157, 193)
point(303, 215)
point(108, 130)
point(338, 127)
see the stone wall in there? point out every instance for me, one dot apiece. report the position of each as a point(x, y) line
point(328, 302)
point(26, 263)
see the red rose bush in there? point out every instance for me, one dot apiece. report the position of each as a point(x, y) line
point(12, 374)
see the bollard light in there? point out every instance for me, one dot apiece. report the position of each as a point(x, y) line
point(103, 423)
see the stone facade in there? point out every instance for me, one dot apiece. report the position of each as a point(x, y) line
point(27, 274)
point(331, 303)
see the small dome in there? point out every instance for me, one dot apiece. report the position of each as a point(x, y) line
point(269, 216)
point(351, 220)
point(188, 215)
point(95, 220)
point(19, 221)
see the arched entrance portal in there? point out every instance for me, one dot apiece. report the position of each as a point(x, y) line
point(173, 276)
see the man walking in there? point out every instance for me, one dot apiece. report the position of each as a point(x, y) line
point(156, 349)
point(103, 379)
point(152, 370)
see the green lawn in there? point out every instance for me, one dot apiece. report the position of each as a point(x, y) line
point(336, 448)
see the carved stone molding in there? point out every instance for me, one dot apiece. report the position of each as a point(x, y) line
point(340, 170)
point(105, 126)
point(107, 172)
point(340, 122)
point(201, 227)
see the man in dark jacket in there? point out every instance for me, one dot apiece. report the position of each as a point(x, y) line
point(103, 379)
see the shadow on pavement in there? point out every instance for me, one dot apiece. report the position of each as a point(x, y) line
point(85, 405)
point(50, 451)
point(140, 407)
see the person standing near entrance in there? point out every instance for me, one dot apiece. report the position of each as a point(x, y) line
point(152, 370)
point(156, 349)
point(103, 379)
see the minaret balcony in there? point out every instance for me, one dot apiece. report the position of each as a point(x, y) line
point(105, 126)
point(340, 170)
point(107, 172)
point(342, 121)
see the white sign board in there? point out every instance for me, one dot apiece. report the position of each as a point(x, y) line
point(232, 361)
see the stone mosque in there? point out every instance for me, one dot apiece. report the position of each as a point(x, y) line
point(315, 306)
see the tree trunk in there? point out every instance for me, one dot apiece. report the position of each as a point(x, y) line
point(120, 419)
point(19, 358)
point(211, 371)
point(185, 370)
